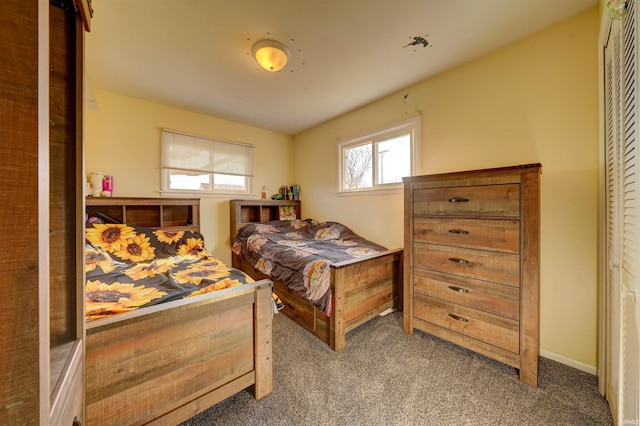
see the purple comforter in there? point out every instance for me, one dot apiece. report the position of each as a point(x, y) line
point(299, 254)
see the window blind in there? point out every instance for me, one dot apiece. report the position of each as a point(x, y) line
point(182, 151)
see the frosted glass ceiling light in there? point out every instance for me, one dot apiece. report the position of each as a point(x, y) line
point(271, 55)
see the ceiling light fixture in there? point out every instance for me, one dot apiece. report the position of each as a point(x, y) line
point(271, 55)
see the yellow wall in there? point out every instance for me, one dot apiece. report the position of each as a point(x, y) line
point(122, 138)
point(535, 100)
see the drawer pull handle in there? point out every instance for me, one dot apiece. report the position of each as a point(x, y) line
point(458, 231)
point(458, 318)
point(458, 260)
point(458, 289)
point(458, 200)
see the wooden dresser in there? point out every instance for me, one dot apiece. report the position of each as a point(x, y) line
point(472, 262)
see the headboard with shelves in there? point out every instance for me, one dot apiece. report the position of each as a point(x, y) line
point(246, 211)
point(165, 213)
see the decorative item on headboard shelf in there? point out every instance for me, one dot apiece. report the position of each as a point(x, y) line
point(284, 191)
point(96, 183)
point(287, 212)
point(288, 193)
point(107, 186)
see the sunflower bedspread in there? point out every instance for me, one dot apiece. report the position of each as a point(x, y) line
point(129, 267)
point(299, 254)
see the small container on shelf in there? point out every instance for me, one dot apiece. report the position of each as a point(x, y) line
point(284, 191)
point(96, 183)
point(107, 186)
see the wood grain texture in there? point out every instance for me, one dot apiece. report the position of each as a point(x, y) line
point(480, 200)
point(484, 348)
point(63, 162)
point(263, 337)
point(407, 284)
point(86, 11)
point(530, 285)
point(493, 329)
point(164, 365)
point(499, 235)
point(490, 297)
point(499, 267)
point(66, 216)
point(42, 355)
point(248, 211)
point(19, 340)
point(472, 261)
point(361, 288)
point(180, 214)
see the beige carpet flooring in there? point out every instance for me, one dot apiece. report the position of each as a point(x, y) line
point(386, 377)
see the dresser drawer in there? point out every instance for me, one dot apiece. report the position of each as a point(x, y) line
point(492, 329)
point(486, 200)
point(499, 235)
point(489, 297)
point(485, 265)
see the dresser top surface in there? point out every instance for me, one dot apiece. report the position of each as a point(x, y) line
point(498, 171)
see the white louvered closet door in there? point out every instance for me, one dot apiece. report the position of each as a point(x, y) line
point(622, 146)
point(612, 135)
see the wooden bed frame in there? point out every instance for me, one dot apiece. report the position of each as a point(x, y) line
point(166, 363)
point(362, 288)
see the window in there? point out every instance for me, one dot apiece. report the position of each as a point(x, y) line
point(379, 160)
point(193, 163)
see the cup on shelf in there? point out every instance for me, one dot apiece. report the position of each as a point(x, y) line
point(96, 183)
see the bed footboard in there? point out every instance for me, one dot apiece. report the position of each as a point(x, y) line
point(166, 363)
point(362, 288)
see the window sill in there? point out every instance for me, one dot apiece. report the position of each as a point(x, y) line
point(384, 191)
point(202, 194)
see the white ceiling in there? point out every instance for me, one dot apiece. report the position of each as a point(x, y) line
point(195, 54)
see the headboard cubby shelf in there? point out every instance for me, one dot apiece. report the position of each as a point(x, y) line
point(166, 213)
point(245, 211)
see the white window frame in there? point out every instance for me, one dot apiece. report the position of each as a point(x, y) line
point(165, 170)
point(411, 126)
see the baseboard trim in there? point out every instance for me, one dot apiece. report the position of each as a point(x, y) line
point(591, 369)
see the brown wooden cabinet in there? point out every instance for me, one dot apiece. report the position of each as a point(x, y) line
point(42, 316)
point(163, 213)
point(472, 262)
point(66, 236)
